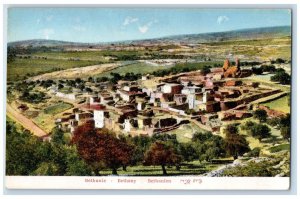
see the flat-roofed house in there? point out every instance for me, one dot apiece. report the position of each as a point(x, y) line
point(172, 88)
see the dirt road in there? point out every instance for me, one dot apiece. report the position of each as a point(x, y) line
point(73, 73)
point(24, 121)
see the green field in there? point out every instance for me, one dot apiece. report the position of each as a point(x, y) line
point(252, 49)
point(278, 148)
point(185, 132)
point(142, 68)
point(190, 168)
point(280, 104)
point(99, 55)
point(21, 68)
point(57, 108)
point(81, 55)
point(255, 42)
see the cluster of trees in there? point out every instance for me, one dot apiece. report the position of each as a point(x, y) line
point(32, 97)
point(261, 115)
point(129, 76)
point(268, 68)
point(47, 83)
point(180, 68)
point(27, 154)
point(262, 131)
point(283, 123)
point(164, 56)
point(236, 144)
point(281, 76)
point(135, 55)
point(257, 70)
point(205, 70)
point(11, 54)
point(248, 63)
point(92, 150)
point(265, 68)
point(278, 61)
point(256, 130)
point(102, 149)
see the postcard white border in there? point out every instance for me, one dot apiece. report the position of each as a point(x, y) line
point(156, 183)
point(251, 3)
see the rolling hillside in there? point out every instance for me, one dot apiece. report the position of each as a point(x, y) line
point(244, 34)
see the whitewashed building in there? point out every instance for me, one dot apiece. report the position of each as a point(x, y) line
point(99, 118)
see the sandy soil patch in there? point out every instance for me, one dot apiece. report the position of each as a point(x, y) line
point(80, 72)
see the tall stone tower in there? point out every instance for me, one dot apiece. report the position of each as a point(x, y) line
point(226, 64)
point(238, 65)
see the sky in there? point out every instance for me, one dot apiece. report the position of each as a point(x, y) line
point(118, 24)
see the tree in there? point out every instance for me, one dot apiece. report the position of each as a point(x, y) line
point(285, 120)
point(75, 165)
point(161, 154)
point(269, 68)
point(115, 77)
point(282, 77)
point(254, 152)
point(187, 151)
point(11, 54)
point(102, 79)
point(101, 148)
point(26, 154)
point(21, 156)
point(261, 115)
point(46, 169)
point(60, 86)
point(285, 132)
point(247, 125)
point(81, 86)
point(257, 70)
point(260, 131)
point(57, 136)
point(279, 61)
point(205, 70)
point(231, 129)
point(88, 89)
point(78, 80)
point(142, 144)
point(235, 144)
point(90, 79)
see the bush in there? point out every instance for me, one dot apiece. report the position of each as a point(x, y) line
point(257, 70)
point(260, 131)
point(281, 77)
point(261, 115)
point(35, 97)
point(254, 152)
point(269, 68)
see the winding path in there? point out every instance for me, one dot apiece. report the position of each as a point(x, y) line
point(25, 122)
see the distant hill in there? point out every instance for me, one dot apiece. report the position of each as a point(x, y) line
point(243, 34)
point(44, 42)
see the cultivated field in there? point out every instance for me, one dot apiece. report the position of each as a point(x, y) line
point(139, 67)
point(82, 72)
point(22, 68)
point(280, 104)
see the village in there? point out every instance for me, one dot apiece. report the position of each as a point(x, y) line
point(153, 105)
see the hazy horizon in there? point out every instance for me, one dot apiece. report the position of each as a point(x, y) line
point(100, 25)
